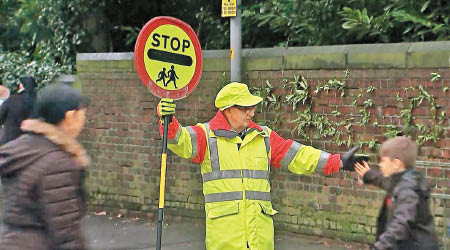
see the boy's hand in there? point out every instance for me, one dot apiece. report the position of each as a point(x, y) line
point(362, 169)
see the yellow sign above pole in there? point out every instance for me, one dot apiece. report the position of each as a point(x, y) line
point(228, 8)
point(168, 57)
point(171, 55)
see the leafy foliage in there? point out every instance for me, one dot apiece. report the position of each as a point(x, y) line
point(45, 37)
point(299, 91)
point(42, 37)
point(325, 22)
point(338, 128)
point(399, 20)
point(271, 104)
point(16, 64)
point(299, 23)
point(334, 83)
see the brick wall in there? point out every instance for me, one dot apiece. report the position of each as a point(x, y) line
point(122, 138)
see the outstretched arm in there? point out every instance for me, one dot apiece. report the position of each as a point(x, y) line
point(369, 176)
point(301, 159)
point(186, 142)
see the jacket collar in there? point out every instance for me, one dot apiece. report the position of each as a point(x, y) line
point(55, 135)
point(222, 128)
point(394, 179)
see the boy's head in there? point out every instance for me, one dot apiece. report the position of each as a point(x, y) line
point(396, 155)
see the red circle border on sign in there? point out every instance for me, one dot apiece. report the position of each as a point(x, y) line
point(139, 54)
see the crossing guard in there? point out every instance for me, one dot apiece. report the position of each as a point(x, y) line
point(236, 155)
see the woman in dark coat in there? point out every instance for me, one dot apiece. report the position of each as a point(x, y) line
point(42, 175)
point(17, 108)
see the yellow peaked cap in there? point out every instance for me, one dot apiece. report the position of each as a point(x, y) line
point(235, 93)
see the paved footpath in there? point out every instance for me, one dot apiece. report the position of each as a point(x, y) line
point(112, 233)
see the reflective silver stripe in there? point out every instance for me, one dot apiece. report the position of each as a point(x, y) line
point(177, 137)
point(267, 140)
point(213, 151)
point(255, 195)
point(193, 141)
point(255, 174)
point(229, 196)
point(224, 174)
point(225, 133)
point(290, 154)
point(214, 154)
point(322, 160)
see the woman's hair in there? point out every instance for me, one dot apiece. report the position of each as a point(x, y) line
point(29, 85)
point(55, 100)
point(401, 148)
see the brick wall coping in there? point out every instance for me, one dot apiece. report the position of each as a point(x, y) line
point(105, 56)
point(373, 56)
point(440, 196)
point(433, 163)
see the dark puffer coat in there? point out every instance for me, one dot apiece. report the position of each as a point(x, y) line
point(405, 221)
point(42, 174)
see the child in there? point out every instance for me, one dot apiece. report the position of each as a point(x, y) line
point(405, 221)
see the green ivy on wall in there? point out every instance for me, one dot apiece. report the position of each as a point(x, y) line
point(271, 105)
point(335, 127)
point(423, 132)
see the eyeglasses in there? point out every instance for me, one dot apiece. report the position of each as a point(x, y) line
point(245, 109)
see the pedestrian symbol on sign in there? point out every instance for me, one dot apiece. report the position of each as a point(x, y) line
point(162, 77)
point(172, 76)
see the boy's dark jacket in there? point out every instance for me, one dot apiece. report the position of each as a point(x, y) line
point(405, 220)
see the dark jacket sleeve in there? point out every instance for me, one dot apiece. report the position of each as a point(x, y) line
point(61, 202)
point(374, 177)
point(404, 215)
point(4, 111)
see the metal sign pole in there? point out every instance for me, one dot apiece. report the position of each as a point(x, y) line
point(162, 184)
point(236, 44)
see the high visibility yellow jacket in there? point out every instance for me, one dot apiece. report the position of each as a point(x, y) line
point(235, 175)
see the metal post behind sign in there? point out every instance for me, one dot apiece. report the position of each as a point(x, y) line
point(162, 183)
point(236, 44)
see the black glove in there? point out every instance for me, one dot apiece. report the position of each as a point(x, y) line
point(348, 159)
